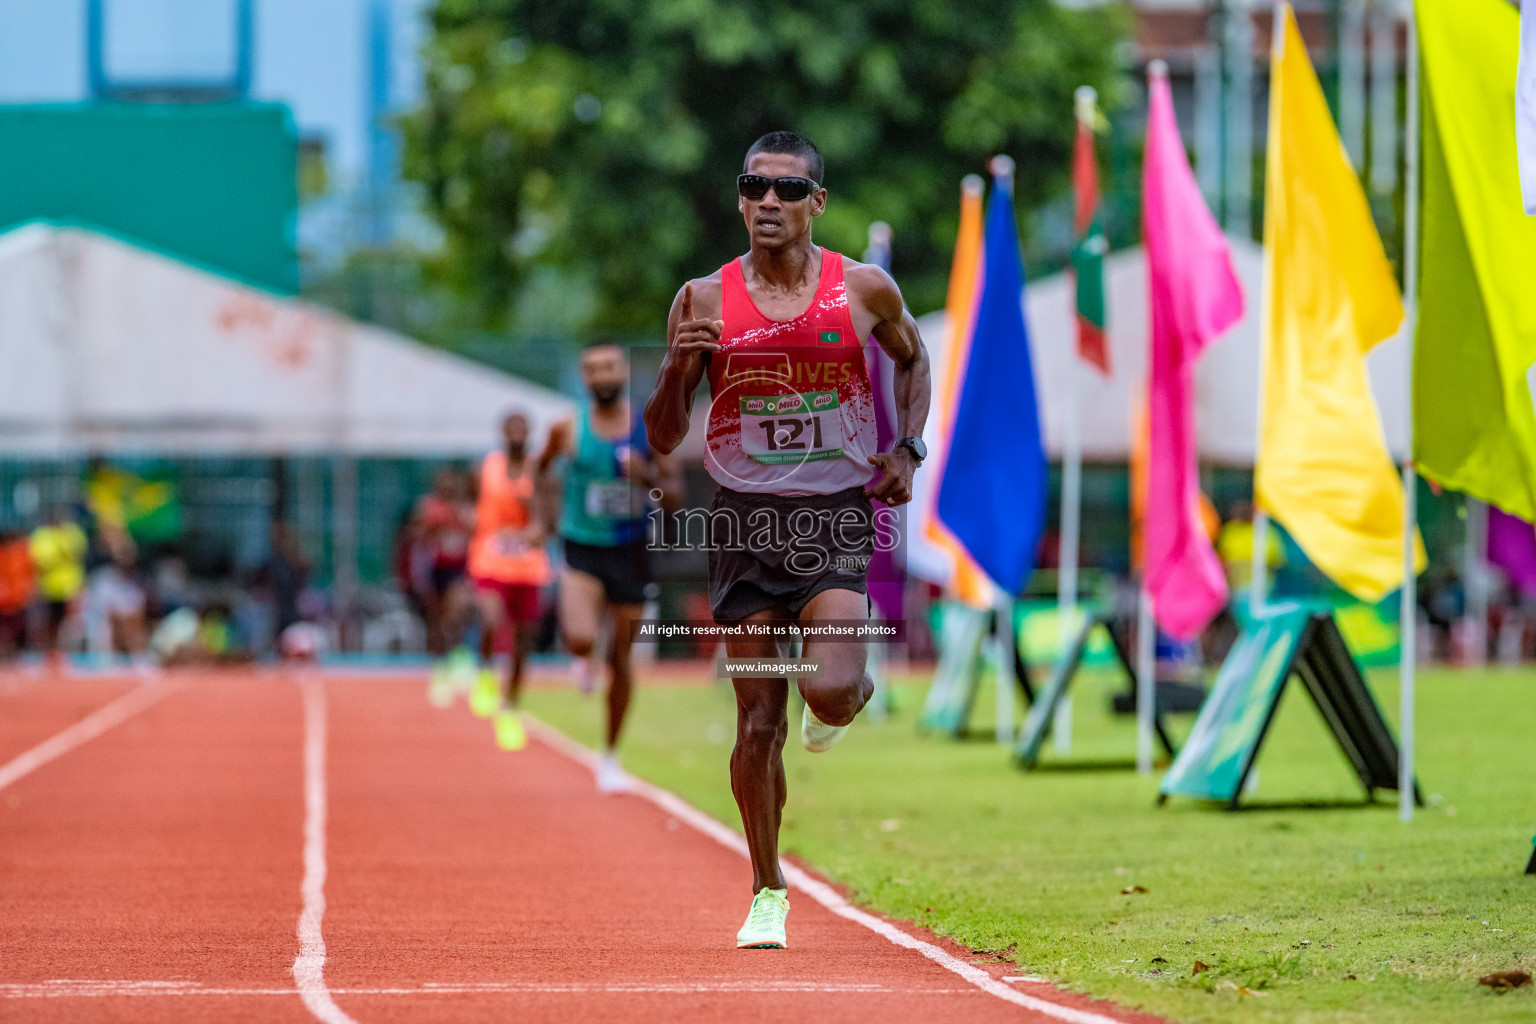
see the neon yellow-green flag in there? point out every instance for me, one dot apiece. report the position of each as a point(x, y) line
point(1474, 428)
point(1323, 467)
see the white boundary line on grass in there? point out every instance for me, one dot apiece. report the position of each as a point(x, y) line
point(819, 891)
point(309, 965)
point(85, 730)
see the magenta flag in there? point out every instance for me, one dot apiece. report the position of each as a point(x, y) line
point(1512, 547)
point(1194, 296)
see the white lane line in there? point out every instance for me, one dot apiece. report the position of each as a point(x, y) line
point(819, 891)
point(85, 730)
point(309, 965)
point(65, 989)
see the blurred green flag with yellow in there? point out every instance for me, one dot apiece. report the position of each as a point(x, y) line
point(1474, 428)
point(1323, 469)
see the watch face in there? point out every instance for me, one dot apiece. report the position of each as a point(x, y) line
point(917, 446)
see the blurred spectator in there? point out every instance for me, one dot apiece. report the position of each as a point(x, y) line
point(441, 527)
point(1443, 600)
point(287, 574)
point(58, 554)
point(16, 585)
point(172, 584)
point(187, 637)
point(118, 596)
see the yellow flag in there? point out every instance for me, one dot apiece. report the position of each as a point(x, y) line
point(1323, 467)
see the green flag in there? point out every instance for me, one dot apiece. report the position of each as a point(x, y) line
point(1474, 427)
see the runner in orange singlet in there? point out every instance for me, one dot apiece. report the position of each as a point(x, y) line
point(508, 564)
point(779, 333)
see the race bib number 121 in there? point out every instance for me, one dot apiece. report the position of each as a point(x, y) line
point(776, 429)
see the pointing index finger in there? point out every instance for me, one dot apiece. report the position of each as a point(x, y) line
point(688, 301)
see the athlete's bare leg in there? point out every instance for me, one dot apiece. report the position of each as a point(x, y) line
point(757, 761)
point(522, 643)
point(620, 673)
point(844, 687)
point(492, 611)
point(458, 606)
point(581, 609)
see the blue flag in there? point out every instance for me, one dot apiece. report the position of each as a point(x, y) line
point(993, 493)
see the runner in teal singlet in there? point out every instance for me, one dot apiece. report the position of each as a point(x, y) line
point(611, 470)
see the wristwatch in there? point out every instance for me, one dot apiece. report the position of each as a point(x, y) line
point(915, 446)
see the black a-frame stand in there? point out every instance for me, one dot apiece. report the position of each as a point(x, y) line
point(1288, 641)
point(1042, 713)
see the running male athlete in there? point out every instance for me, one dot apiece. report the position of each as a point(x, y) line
point(603, 526)
point(780, 331)
point(508, 564)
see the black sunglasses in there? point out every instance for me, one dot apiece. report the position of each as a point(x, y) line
point(790, 190)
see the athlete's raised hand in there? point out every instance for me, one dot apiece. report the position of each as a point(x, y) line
point(695, 335)
point(894, 484)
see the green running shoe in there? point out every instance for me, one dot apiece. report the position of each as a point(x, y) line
point(440, 690)
point(510, 734)
point(765, 922)
point(485, 697)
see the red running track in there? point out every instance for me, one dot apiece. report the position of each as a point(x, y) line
point(155, 871)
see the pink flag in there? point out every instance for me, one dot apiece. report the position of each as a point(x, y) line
point(1194, 297)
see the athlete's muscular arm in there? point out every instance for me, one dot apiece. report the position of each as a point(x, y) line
point(692, 334)
point(893, 327)
point(562, 434)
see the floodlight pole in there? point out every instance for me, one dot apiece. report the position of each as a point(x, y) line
point(1409, 610)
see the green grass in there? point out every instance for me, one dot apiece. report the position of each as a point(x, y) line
point(1331, 915)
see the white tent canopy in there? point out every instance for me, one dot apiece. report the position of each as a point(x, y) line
point(106, 347)
point(1227, 379)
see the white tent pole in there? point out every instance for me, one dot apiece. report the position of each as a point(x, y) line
point(1146, 682)
point(1407, 653)
point(344, 507)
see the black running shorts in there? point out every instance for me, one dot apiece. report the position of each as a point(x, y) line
point(623, 569)
point(773, 551)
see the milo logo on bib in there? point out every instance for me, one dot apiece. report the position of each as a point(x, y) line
point(791, 428)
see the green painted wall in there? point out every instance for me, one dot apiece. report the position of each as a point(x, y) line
point(215, 184)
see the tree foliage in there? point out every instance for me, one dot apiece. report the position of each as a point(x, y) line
point(584, 151)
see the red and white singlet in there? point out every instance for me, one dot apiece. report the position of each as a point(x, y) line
point(791, 410)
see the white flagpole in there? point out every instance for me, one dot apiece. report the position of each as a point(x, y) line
point(1146, 682)
point(1258, 560)
point(1071, 487)
point(1407, 652)
point(1258, 581)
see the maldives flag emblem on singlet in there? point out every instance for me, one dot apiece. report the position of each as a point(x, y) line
point(791, 407)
